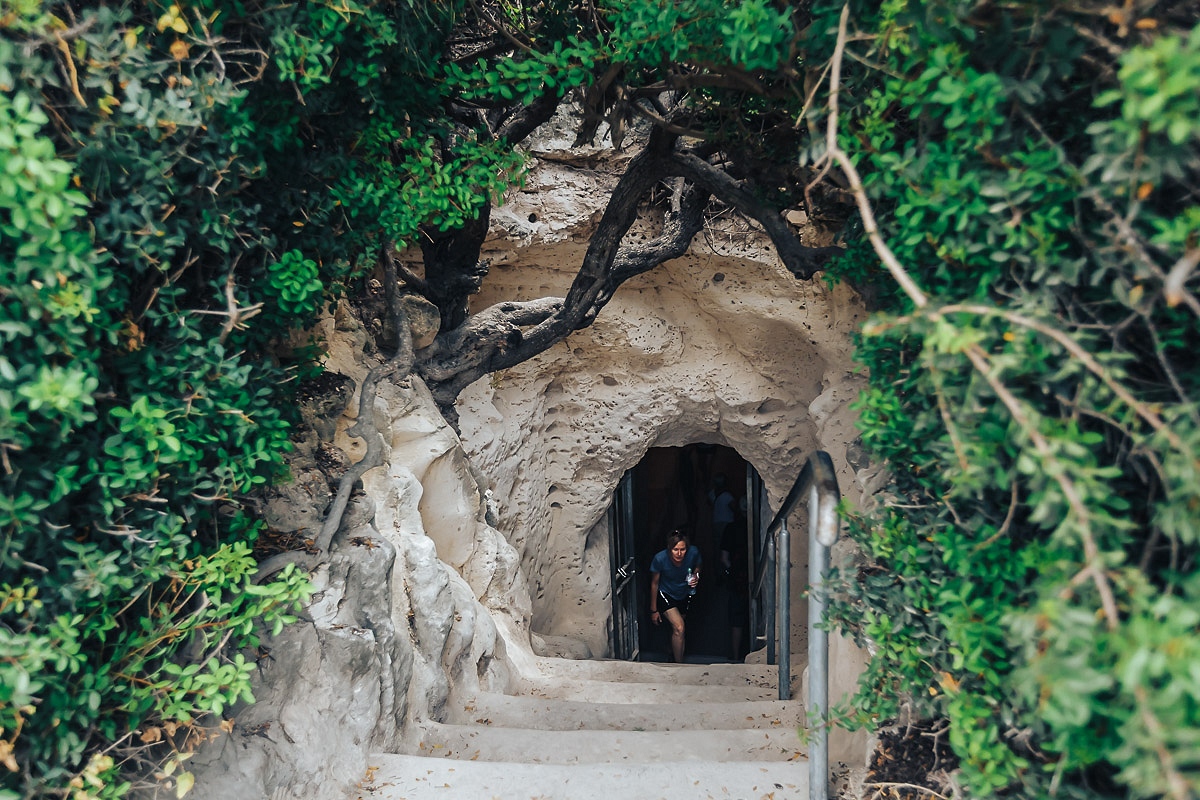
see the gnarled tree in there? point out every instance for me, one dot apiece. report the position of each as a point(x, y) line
point(709, 93)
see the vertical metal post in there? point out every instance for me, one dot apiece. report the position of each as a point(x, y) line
point(754, 526)
point(630, 602)
point(769, 626)
point(760, 588)
point(783, 586)
point(614, 559)
point(822, 533)
point(818, 479)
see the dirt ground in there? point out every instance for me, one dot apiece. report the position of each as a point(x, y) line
point(910, 763)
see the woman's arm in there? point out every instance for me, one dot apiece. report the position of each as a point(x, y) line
point(653, 596)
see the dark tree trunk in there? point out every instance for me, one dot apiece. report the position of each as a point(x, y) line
point(453, 270)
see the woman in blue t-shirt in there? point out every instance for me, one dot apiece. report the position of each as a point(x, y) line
point(674, 573)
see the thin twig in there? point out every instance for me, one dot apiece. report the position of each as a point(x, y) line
point(811, 96)
point(1134, 450)
point(1086, 358)
point(1177, 785)
point(951, 428)
point(1012, 512)
point(833, 150)
point(1169, 371)
point(214, 652)
point(879, 786)
point(1091, 550)
point(498, 28)
point(1130, 238)
point(668, 126)
point(72, 73)
point(1173, 285)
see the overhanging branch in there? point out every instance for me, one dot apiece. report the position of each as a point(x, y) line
point(801, 261)
point(493, 341)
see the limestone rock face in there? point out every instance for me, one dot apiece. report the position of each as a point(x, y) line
point(465, 555)
point(401, 616)
point(721, 346)
point(325, 686)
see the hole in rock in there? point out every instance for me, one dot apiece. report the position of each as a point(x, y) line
point(771, 406)
point(681, 487)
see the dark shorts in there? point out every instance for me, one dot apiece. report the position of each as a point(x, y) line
point(665, 602)
point(739, 609)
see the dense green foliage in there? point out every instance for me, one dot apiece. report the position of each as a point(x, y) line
point(1034, 581)
point(727, 75)
point(182, 183)
point(646, 38)
point(179, 185)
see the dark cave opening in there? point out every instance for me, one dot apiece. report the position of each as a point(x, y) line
point(678, 487)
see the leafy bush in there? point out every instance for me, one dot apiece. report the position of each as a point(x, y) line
point(1035, 578)
point(645, 37)
point(173, 197)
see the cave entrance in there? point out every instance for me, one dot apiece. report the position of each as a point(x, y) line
point(675, 487)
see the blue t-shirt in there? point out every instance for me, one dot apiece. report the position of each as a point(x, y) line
point(723, 507)
point(672, 580)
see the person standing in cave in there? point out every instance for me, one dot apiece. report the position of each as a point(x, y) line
point(674, 575)
point(736, 580)
point(722, 505)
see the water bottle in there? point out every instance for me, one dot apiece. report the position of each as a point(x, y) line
point(691, 586)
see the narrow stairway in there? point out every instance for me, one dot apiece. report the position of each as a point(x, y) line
point(597, 729)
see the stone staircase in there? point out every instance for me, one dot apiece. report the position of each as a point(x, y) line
point(607, 729)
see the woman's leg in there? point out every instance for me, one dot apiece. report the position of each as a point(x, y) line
point(676, 619)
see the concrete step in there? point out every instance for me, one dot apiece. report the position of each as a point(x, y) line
point(655, 672)
point(508, 711)
point(484, 743)
point(595, 691)
point(400, 777)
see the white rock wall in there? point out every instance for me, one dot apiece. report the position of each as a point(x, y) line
point(722, 345)
point(423, 596)
point(404, 613)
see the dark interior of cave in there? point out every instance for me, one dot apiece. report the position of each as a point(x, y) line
point(675, 487)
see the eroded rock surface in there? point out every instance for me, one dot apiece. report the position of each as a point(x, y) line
point(402, 614)
point(464, 556)
point(721, 346)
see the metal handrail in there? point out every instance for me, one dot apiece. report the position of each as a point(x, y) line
point(818, 482)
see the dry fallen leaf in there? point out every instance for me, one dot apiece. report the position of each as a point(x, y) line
point(7, 758)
